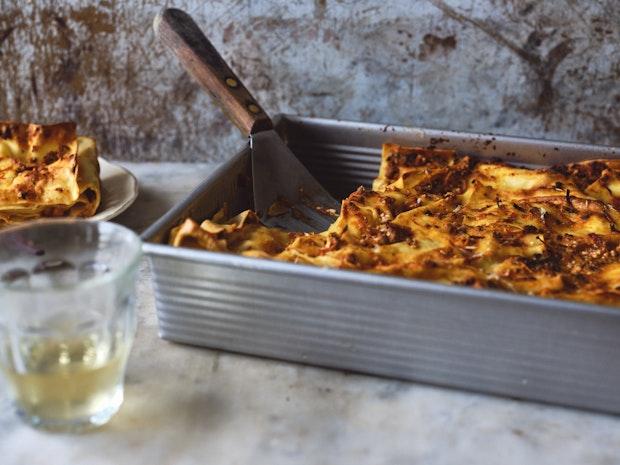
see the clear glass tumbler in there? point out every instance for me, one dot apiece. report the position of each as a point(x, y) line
point(67, 319)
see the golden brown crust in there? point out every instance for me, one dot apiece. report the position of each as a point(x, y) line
point(46, 171)
point(435, 215)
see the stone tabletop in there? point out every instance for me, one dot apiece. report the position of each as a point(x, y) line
point(189, 405)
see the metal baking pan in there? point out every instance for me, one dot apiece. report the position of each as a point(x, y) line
point(483, 340)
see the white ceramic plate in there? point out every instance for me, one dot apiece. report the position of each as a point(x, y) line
point(119, 189)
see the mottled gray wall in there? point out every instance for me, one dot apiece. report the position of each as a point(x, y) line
point(539, 68)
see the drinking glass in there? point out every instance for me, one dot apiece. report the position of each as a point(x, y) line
point(67, 319)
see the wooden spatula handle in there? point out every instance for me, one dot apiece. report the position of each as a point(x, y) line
point(181, 34)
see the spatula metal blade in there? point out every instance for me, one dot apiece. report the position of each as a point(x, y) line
point(278, 176)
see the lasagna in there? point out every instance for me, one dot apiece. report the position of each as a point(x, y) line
point(46, 171)
point(433, 214)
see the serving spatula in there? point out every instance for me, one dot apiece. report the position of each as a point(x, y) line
point(286, 195)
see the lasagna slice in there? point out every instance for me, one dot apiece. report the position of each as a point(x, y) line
point(46, 171)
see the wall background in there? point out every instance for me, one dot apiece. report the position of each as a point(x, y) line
point(538, 68)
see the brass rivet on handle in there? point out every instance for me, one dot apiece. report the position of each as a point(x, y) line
point(253, 108)
point(230, 82)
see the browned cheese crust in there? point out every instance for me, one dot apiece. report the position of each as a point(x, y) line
point(433, 214)
point(46, 171)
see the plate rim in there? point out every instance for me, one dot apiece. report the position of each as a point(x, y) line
point(105, 215)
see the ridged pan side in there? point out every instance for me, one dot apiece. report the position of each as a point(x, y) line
point(341, 168)
point(476, 343)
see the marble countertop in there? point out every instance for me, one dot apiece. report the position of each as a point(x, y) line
point(187, 405)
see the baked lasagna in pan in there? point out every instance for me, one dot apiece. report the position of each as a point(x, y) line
point(46, 171)
point(433, 214)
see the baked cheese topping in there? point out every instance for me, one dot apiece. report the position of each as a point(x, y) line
point(433, 214)
point(46, 171)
